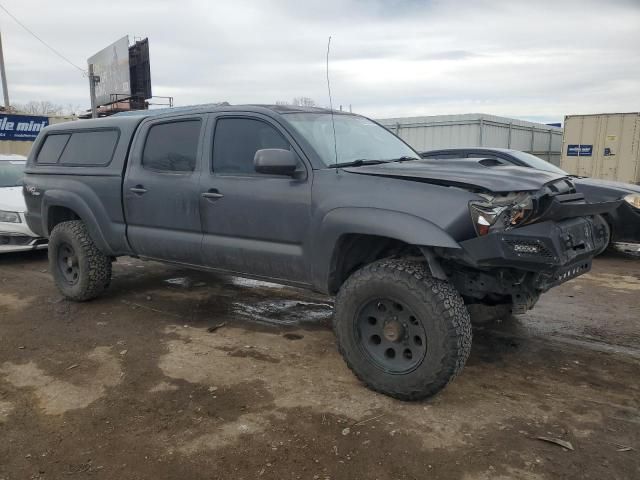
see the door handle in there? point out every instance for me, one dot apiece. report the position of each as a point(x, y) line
point(139, 189)
point(212, 194)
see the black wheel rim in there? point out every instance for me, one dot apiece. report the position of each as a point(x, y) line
point(391, 335)
point(68, 264)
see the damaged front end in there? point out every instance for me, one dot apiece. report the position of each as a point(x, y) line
point(527, 243)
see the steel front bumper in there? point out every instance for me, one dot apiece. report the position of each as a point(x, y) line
point(553, 251)
point(538, 246)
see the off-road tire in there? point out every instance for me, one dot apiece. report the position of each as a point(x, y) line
point(93, 267)
point(439, 308)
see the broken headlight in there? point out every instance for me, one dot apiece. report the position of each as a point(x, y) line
point(500, 212)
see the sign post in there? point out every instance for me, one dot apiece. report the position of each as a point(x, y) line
point(92, 91)
point(5, 91)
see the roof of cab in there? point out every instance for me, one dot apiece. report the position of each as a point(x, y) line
point(133, 118)
point(224, 106)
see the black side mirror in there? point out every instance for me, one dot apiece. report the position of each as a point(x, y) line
point(275, 161)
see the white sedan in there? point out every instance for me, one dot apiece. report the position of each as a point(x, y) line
point(15, 234)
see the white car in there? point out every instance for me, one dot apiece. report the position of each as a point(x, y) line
point(15, 234)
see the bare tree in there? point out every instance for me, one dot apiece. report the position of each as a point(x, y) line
point(298, 102)
point(40, 107)
point(303, 102)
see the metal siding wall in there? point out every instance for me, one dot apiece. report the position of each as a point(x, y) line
point(449, 131)
point(521, 138)
point(494, 135)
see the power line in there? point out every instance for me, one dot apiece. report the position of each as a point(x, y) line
point(84, 72)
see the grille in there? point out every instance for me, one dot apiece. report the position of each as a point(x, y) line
point(18, 240)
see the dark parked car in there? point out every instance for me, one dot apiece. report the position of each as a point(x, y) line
point(624, 222)
point(329, 202)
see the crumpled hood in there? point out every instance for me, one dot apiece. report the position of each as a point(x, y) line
point(12, 200)
point(467, 172)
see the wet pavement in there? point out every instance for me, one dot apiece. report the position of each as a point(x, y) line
point(181, 374)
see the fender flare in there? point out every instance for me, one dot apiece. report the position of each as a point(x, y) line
point(401, 226)
point(74, 202)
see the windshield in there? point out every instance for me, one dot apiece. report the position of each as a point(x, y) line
point(538, 163)
point(357, 138)
point(11, 173)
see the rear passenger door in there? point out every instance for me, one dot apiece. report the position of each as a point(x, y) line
point(161, 189)
point(253, 223)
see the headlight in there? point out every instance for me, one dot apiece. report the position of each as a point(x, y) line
point(633, 199)
point(501, 213)
point(9, 217)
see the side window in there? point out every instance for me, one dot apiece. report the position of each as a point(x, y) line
point(443, 156)
point(90, 148)
point(236, 141)
point(52, 148)
point(172, 146)
point(483, 155)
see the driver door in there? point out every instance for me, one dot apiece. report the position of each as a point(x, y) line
point(255, 224)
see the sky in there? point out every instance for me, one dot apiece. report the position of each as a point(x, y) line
point(534, 60)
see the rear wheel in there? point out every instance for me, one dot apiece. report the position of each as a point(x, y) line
point(80, 271)
point(402, 332)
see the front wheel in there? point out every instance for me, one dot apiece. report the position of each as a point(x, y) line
point(401, 331)
point(80, 270)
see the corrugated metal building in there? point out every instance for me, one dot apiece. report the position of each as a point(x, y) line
point(478, 130)
point(605, 146)
point(18, 141)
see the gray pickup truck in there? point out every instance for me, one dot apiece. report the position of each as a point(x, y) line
point(323, 200)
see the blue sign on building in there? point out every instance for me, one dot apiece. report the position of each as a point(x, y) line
point(21, 127)
point(579, 150)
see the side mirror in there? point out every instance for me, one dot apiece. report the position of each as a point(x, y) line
point(275, 161)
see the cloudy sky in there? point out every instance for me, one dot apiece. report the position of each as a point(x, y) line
point(536, 60)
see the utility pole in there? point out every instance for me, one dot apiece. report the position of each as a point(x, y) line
point(93, 79)
point(5, 92)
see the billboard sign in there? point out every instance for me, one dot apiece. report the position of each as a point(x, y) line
point(139, 69)
point(111, 64)
point(21, 127)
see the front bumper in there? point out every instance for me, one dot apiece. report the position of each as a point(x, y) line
point(516, 266)
point(544, 246)
point(18, 237)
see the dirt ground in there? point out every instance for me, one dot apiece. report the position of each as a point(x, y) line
point(134, 385)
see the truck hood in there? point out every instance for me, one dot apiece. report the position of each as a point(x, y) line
point(475, 173)
point(12, 200)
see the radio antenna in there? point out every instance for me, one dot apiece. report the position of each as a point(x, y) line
point(333, 123)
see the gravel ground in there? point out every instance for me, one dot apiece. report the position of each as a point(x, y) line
point(175, 374)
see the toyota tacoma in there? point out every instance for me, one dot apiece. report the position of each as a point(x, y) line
point(328, 201)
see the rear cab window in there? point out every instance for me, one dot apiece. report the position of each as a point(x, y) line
point(172, 146)
point(79, 148)
point(52, 147)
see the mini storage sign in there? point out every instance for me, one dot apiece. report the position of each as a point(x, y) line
point(21, 127)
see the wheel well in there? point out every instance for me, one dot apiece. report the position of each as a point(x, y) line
point(353, 251)
point(58, 215)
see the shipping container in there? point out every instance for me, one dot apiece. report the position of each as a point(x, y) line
point(478, 130)
point(605, 146)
